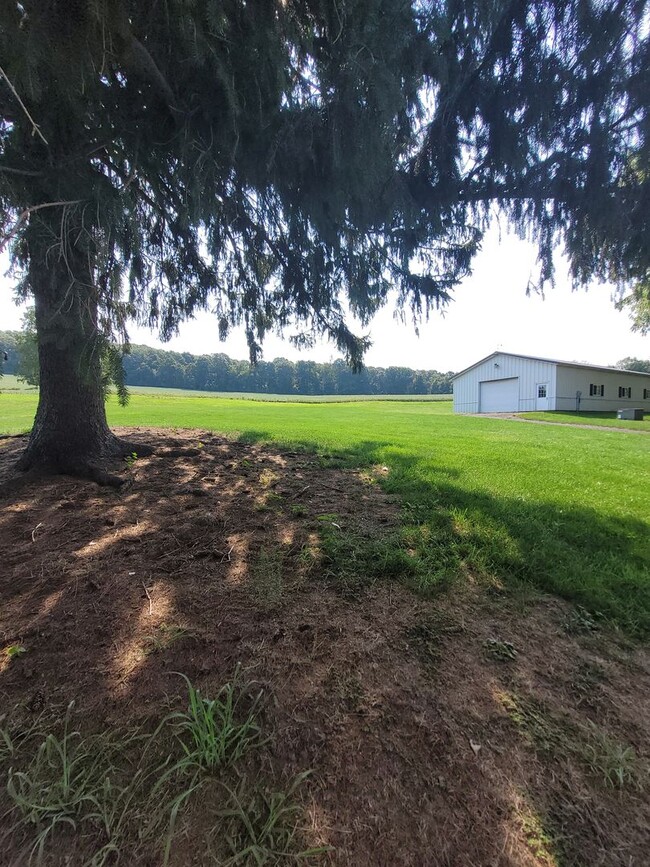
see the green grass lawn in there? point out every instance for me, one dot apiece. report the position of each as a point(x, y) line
point(601, 419)
point(562, 509)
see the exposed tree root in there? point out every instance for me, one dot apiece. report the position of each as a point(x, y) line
point(126, 447)
point(93, 467)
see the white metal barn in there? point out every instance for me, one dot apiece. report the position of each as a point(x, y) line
point(503, 382)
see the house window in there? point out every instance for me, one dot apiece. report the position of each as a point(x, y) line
point(541, 391)
point(624, 392)
point(646, 393)
point(596, 390)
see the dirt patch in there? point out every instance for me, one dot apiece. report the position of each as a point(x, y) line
point(477, 728)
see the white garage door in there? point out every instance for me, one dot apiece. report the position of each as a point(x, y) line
point(499, 395)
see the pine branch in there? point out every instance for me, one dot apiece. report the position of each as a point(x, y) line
point(35, 127)
point(140, 61)
point(6, 237)
point(13, 171)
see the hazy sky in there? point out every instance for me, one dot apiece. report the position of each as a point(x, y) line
point(491, 311)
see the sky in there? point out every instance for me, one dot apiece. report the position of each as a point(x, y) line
point(490, 311)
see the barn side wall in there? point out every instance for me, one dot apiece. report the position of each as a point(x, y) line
point(529, 372)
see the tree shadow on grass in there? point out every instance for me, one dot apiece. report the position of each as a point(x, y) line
point(600, 561)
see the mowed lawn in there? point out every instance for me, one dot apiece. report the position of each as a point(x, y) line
point(600, 419)
point(554, 508)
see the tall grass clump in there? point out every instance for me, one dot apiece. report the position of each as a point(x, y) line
point(125, 796)
point(214, 733)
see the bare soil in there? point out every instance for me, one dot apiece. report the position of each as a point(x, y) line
point(428, 745)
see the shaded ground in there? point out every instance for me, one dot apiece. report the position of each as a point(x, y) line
point(475, 728)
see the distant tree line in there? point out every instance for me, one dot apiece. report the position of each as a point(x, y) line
point(145, 365)
point(164, 369)
point(634, 364)
point(219, 372)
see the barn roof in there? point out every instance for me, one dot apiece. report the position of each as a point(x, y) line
point(549, 361)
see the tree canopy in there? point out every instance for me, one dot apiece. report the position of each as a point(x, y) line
point(281, 162)
point(630, 363)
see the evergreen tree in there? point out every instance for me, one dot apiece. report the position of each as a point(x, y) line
point(274, 157)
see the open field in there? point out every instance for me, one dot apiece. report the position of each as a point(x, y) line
point(12, 385)
point(600, 419)
point(287, 398)
point(382, 628)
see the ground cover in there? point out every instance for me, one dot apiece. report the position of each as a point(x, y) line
point(457, 721)
point(562, 509)
point(600, 419)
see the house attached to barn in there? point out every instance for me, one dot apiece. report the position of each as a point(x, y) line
point(504, 382)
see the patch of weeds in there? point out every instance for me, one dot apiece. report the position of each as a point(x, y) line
point(586, 680)
point(117, 797)
point(261, 829)
point(354, 562)
point(426, 641)
point(426, 637)
point(579, 621)
point(130, 459)
point(268, 499)
point(14, 651)
point(75, 783)
point(537, 725)
point(347, 688)
point(328, 518)
point(502, 651)
point(13, 737)
point(164, 636)
point(298, 510)
point(215, 733)
point(266, 579)
point(613, 762)
point(540, 842)
point(616, 764)
point(309, 558)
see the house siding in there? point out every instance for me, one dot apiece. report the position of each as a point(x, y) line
point(573, 379)
point(563, 380)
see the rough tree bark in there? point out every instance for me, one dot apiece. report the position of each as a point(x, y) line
point(70, 433)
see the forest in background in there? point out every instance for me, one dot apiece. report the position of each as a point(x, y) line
point(162, 368)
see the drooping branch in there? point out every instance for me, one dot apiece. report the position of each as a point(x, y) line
point(36, 130)
point(7, 237)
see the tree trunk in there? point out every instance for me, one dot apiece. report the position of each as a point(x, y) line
point(70, 433)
